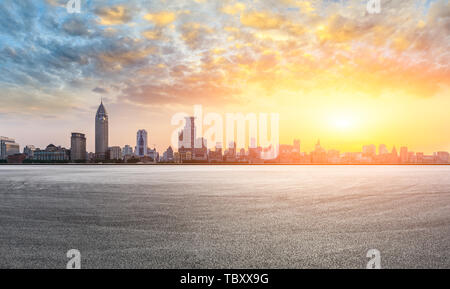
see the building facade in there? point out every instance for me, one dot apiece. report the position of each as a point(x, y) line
point(168, 155)
point(127, 151)
point(115, 153)
point(78, 147)
point(403, 154)
point(187, 137)
point(141, 149)
point(29, 151)
point(101, 133)
point(8, 147)
point(153, 155)
point(52, 153)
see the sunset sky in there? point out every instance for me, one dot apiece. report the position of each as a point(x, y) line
point(331, 70)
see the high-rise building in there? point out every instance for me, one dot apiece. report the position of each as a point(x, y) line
point(168, 155)
point(394, 152)
point(127, 151)
point(443, 157)
point(319, 155)
point(153, 155)
point(232, 149)
point(404, 154)
point(419, 157)
point(369, 150)
point(8, 147)
point(383, 150)
point(101, 133)
point(200, 152)
point(394, 156)
point(296, 148)
point(78, 147)
point(141, 149)
point(187, 137)
point(115, 153)
point(253, 143)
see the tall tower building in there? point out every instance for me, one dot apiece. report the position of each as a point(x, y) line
point(78, 147)
point(404, 154)
point(296, 147)
point(382, 150)
point(141, 143)
point(187, 136)
point(101, 133)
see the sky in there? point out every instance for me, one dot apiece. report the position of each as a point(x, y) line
point(331, 70)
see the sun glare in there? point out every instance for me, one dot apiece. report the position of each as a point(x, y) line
point(342, 123)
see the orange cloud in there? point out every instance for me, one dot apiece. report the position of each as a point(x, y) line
point(152, 34)
point(113, 15)
point(194, 34)
point(233, 9)
point(162, 18)
point(117, 60)
point(262, 20)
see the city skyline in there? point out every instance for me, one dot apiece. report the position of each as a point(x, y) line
point(192, 146)
point(329, 68)
point(142, 147)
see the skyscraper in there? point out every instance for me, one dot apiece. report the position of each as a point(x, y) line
point(127, 151)
point(101, 133)
point(187, 136)
point(404, 154)
point(296, 148)
point(78, 147)
point(382, 150)
point(141, 143)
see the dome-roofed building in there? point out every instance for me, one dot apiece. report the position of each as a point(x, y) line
point(51, 153)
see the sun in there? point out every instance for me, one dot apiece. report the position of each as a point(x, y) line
point(342, 122)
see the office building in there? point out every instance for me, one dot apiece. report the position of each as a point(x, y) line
point(369, 151)
point(78, 147)
point(296, 148)
point(187, 137)
point(101, 133)
point(115, 153)
point(141, 149)
point(168, 155)
point(383, 150)
point(127, 151)
point(28, 151)
point(8, 147)
point(403, 154)
point(443, 157)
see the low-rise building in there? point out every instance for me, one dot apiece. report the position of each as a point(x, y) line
point(16, 159)
point(52, 153)
point(29, 151)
